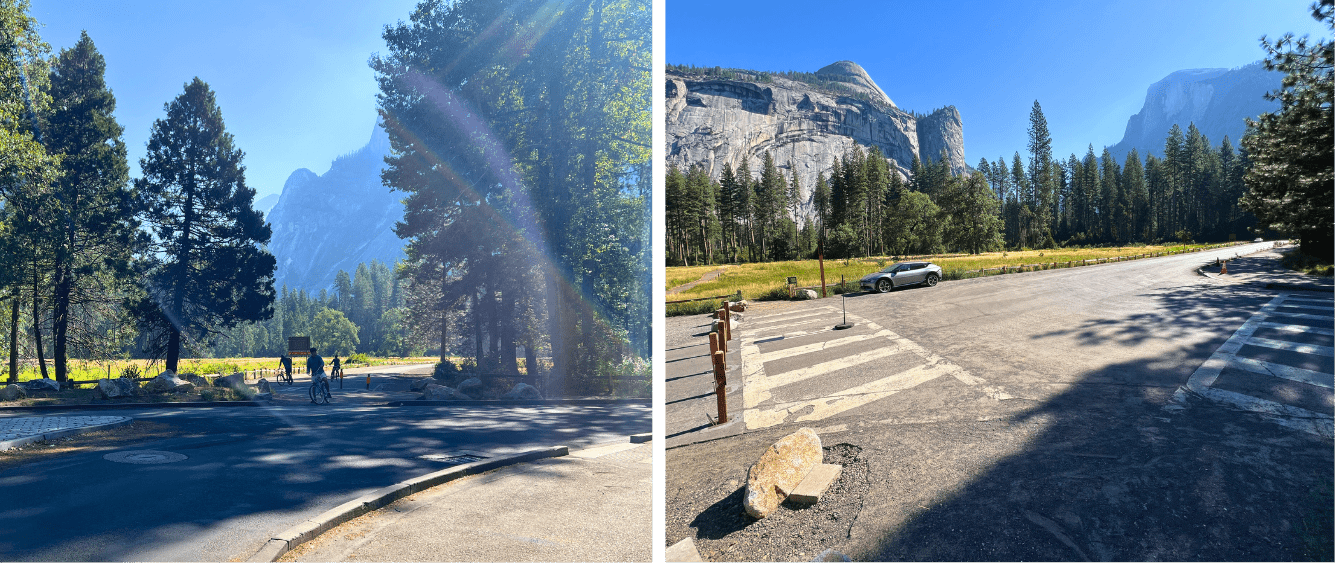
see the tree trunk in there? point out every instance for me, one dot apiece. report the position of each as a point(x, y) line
point(37, 322)
point(14, 337)
point(60, 322)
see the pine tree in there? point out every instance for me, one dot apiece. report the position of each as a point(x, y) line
point(206, 266)
point(1291, 179)
point(96, 228)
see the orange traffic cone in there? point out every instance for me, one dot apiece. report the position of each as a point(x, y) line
point(1224, 268)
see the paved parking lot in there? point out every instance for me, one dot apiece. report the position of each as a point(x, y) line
point(1279, 364)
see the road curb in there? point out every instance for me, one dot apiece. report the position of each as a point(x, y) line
point(309, 529)
point(480, 402)
point(110, 406)
point(19, 442)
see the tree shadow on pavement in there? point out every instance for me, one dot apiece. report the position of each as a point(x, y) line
point(1098, 472)
point(253, 473)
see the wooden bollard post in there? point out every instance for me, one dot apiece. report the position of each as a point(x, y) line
point(720, 377)
point(722, 314)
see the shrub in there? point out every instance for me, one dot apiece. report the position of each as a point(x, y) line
point(445, 371)
point(691, 308)
point(358, 358)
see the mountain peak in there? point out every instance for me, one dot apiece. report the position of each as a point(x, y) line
point(851, 70)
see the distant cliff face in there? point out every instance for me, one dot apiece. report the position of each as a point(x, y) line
point(711, 122)
point(323, 224)
point(1216, 100)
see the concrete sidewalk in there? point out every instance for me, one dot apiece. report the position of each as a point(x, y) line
point(593, 505)
point(23, 430)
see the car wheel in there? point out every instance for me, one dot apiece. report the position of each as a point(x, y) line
point(883, 285)
point(932, 280)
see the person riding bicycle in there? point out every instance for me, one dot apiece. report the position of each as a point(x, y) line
point(334, 369)
point(285, 362)
point(315, 365)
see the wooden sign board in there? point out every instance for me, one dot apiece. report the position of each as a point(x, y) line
point(299, 345)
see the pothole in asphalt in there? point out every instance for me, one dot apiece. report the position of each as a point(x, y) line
point(144, 457)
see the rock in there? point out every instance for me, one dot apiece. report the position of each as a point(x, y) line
point(779, 471)
point(129, 386)
point(718, 325)
point(524, 392)
point(262, 386)
point(115, 388)
point(194, 379)
point(713, 121)
point(266, 396)
point(12, 392)
point(167, 382)
point(43, 384)
point(738, 306)
point(433, 392)
point(807, 294)
point(421, 384)
point(471, 386)
point(235, 381)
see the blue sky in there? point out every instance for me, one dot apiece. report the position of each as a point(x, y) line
point(1088, 63)
point(291, 76)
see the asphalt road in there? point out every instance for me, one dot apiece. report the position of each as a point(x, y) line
point(1027, 416)
point(243, 474)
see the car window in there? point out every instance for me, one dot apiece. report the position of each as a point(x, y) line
point(918, 266)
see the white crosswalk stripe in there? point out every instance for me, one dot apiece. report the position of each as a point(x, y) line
point(1281, 326)
point(762, 409)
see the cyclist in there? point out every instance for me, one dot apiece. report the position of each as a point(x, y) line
point(336, 371)
point(285, 363)
point(315, 365)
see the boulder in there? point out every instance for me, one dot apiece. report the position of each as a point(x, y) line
point(779, 471)
point(738, 306)
point(12, 392)
point(807, 294)
point(433, 392)
point(422, 384)
point(194, 379)
point(266, 396)
point(43, 384)
point(262, 386)
point(236, 381)
point(115, 388)
point(167, 382)
point(524, 392)
point(472, 386)
point(128, 386)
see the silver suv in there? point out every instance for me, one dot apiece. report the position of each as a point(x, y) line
point(901, 274)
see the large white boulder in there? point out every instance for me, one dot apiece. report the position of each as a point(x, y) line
point(524, 392)
point(167, 382)
point(434, 392)
point(115, 388)
point(471, 386)
point(42, 384)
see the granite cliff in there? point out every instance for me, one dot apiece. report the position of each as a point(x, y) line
point(1216, 100)
point(335, 221)
point(713, 120)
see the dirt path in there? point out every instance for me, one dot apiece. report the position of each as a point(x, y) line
point(705, 278)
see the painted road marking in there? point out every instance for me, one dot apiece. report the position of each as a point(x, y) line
point(1292, 346)
point(1283, 371)
point(1298, 329)
point(759, 385)
point(1227, 355)
point(800, 350)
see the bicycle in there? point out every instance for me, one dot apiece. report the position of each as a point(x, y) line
point(320, 390)
point(284, 377)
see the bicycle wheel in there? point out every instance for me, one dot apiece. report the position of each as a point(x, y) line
point(314, 391)
point(322, 392)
